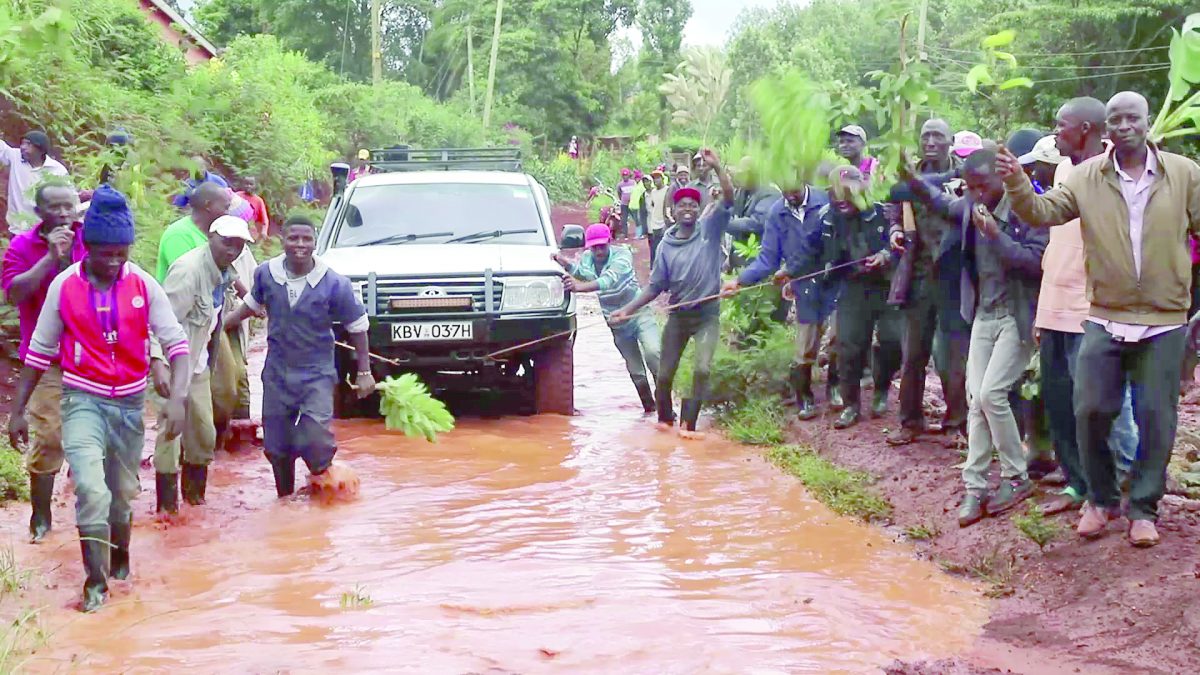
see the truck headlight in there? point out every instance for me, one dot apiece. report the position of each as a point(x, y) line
point(523, 293)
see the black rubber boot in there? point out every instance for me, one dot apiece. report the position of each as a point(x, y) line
point(41, 489)
point(284, 469)
point(195, 479)
point(801, 377)
point(832, 393)
point(94, 543)
point(166, 487)
point(689, 413)
point(119, 557)
point(646, 393)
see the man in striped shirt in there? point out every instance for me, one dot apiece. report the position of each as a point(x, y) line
point(608, 270)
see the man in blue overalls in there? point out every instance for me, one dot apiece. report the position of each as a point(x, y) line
point(303, 299)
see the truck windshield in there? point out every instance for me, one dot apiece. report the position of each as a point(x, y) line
point(434, 213)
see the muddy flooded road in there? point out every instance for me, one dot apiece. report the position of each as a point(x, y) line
point(525, 545)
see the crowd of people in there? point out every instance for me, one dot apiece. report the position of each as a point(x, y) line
point(1080, 241)
point(97, 332)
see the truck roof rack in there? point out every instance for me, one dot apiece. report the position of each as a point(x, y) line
point(402, 158)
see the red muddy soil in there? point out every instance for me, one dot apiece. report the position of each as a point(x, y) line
point(1079, 606)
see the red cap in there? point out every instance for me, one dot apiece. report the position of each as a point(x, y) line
point(685, 193)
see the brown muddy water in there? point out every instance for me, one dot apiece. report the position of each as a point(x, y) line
point(591, 544)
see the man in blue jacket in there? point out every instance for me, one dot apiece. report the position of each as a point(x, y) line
point(792, 239)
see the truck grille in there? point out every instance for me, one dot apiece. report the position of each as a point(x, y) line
point(444, 296)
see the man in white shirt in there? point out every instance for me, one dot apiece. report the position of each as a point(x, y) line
point(27, 165)
point(656, 209)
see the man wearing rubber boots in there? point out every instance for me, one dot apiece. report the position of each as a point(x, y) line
point(303, 299)
point(31, 262)
point(96, 322)
point(607, 269)
point(792, 238)
point(689, 266)
point(853, 229)
point(196, 286)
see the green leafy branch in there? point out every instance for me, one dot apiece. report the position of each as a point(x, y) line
point(1172, 120)
point(407, 406)
point(997, 66)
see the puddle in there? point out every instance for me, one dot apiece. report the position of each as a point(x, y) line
point(526, 544)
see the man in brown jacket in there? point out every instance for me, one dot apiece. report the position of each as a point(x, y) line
point(1136, 206)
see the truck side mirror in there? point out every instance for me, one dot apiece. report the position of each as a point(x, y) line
point(572, 237)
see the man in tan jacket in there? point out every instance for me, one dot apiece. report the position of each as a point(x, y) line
point(1063, 308)
point(1136, 205)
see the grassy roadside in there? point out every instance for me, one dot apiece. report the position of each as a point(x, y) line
point(846, 492)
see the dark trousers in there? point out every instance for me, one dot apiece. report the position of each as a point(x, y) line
point(862, 308)
point(1058, 357)
point(920, 319)
point(655, 238)
point(1152, 368)
point(626, 216)
point(682, 325)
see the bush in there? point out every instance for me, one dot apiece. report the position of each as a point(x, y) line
point(14, 479)
point(756, 422)
point(559, 176)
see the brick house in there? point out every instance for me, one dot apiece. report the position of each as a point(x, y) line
point(176, 31)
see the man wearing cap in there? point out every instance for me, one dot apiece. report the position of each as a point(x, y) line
point(96, 322)
point(636, 204)
point(929, 297)
point(852, 146)
point(27, 166)
point(688, 264)
point(791, 239)
point(195, 285)
point(683, 176)
point(1136, 206)
point(31, 262)
point(362, 167)
point(1041, 162)
point(656, 209)
point(607, 270)
point(625, 196)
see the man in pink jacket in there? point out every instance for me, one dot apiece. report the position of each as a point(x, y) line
point(1063, 307)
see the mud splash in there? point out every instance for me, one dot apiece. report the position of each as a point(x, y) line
point(537, 544)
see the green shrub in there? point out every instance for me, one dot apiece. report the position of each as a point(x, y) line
point(755, 422)
point(1034, 525)
point(844, 491)
point(14, 479)
point(560, 176)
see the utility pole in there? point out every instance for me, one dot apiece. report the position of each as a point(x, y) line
point(471, 63)
point(921, 56)
point(491, 82)
point(376, 43)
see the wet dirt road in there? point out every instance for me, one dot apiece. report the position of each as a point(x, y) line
point(526, 544)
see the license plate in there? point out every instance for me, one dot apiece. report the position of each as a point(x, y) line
point(432, 330)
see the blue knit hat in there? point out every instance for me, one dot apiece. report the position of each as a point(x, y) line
point(108, 220)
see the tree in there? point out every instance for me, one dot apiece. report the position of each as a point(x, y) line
point(661, 23)
point(223, 20)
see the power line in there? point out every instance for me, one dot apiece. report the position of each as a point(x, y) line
point(1044, 54)
point(1037, 67)
point(1098, 75)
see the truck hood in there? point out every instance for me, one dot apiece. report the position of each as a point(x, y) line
point(418, 259)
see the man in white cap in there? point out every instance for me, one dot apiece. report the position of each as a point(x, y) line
point(852, 146)
point(965, 143)
point(196, 284)
point(1041, 162)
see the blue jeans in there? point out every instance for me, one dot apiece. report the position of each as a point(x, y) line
point(1124, 435)
point(102, 441)
point(640, 344)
